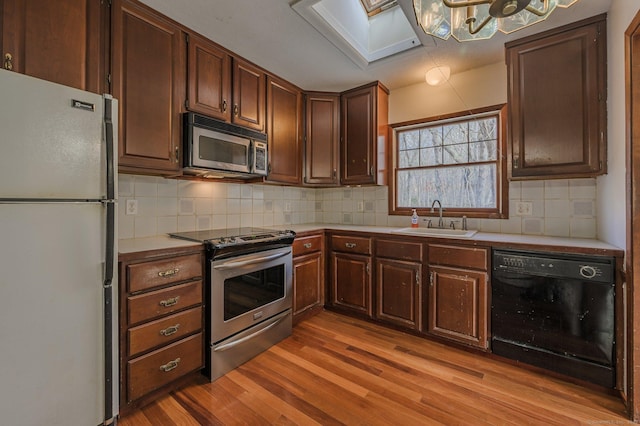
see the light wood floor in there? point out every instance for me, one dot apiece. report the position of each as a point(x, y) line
point(339, 370)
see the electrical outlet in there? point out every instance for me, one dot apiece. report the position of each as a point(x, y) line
point(360, 206)
point(287, 206)
point(131, 207)
point(524, 208)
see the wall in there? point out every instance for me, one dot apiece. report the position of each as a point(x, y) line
point(611, 187)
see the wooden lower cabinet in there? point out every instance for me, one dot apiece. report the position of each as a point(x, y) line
point(351, 282)
point(398, 292)
point(458, 296)
point(161, 322)
point(399, 282)
point(308, 276)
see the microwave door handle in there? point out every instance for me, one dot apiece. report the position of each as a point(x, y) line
point(251, 261)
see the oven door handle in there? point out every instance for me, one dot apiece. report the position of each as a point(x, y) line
point(230, 345)
point(251, 261)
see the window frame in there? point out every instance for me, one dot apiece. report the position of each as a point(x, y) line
point(502, 184)
point(373, 7)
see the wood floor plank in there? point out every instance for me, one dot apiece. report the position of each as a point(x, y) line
point(337, 370)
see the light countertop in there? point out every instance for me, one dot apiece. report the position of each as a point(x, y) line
point(132, 245)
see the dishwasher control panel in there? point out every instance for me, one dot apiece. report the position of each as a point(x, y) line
point(581, 267)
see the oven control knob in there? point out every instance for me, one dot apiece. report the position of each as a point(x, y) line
point(588, 271)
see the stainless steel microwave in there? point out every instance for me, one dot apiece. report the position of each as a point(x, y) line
point(213, 148)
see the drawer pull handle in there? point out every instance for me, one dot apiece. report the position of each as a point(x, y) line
point(170, 302)
point(170, 365)
point(170, 330)
point(307, 245)
point(350, 245)
point(168, 273)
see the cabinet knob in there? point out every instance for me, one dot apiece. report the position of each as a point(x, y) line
point(170, 330)
point(235, 110)
point(8, 61)
point(224, 105)
point(307, 245)
point(169, 302)
point(350, 245)
point(169, 272)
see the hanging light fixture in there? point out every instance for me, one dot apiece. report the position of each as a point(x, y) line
point(480, 19)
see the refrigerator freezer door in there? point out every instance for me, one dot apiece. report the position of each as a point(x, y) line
point(51, 321)
point(52, 143)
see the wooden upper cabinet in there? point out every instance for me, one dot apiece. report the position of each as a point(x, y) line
point(59, 41)
point(209, 82)
point(322, 142)
point(284, 131)
point(557, 99)
point(149, 80)
point(248, 95)
point(364, 124)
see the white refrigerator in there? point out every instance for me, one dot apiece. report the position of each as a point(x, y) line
point(58, 284)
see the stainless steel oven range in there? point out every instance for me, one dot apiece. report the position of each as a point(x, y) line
point(249, 293)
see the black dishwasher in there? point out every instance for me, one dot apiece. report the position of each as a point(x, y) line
point(555, 311)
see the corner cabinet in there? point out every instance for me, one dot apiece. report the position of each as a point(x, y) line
point(458, 294)
point(364, 135)
point(308, 276)
point(284, 132)
point(557, 102)
point(351, 274)
point(61, 41)
point(149, 75)
point(399, 282)
point(161, 322)
point(322, 139)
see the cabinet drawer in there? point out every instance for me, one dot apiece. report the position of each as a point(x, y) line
point(160, 367)
point(144, 307)
point(464, 257)
point(165, 330)
point(399, 250)
point(345, 244)
point(306, 245)
point(142, 276)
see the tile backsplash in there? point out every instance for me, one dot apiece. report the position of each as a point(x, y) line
point(564, 208)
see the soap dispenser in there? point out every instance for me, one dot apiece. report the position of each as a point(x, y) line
point(414, 218)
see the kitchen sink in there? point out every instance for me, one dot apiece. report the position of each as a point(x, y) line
point(437, 232)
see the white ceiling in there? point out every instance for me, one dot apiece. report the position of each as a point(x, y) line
point(271, 34)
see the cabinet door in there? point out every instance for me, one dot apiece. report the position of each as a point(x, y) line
point(248, 95)
point(284, 132)
point(364, 134)
point(398, 292)
point(322, 140)
point(148, 79)
point(557, 99)
point(59, 41)
point(209, 79)
point(458, 305)
point(308, 282)
point(351, 282)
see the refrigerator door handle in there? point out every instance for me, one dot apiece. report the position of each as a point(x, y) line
point(109, 261)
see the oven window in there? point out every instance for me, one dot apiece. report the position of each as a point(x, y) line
point(246, 292)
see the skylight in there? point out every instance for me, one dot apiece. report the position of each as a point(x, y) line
point(363, 38)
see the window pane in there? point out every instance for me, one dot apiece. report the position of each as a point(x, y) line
point(408, 140)
point(431, 136)
point(408, 158)
point(483, 151)
point(483, 129)
point(431, 156)
point(455, 133)
point(469, 186)
point(456, 154)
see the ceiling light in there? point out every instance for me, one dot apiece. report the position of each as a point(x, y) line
point(437, 75)
point(480, 19)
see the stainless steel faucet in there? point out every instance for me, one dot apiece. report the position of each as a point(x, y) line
point(440, 221)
